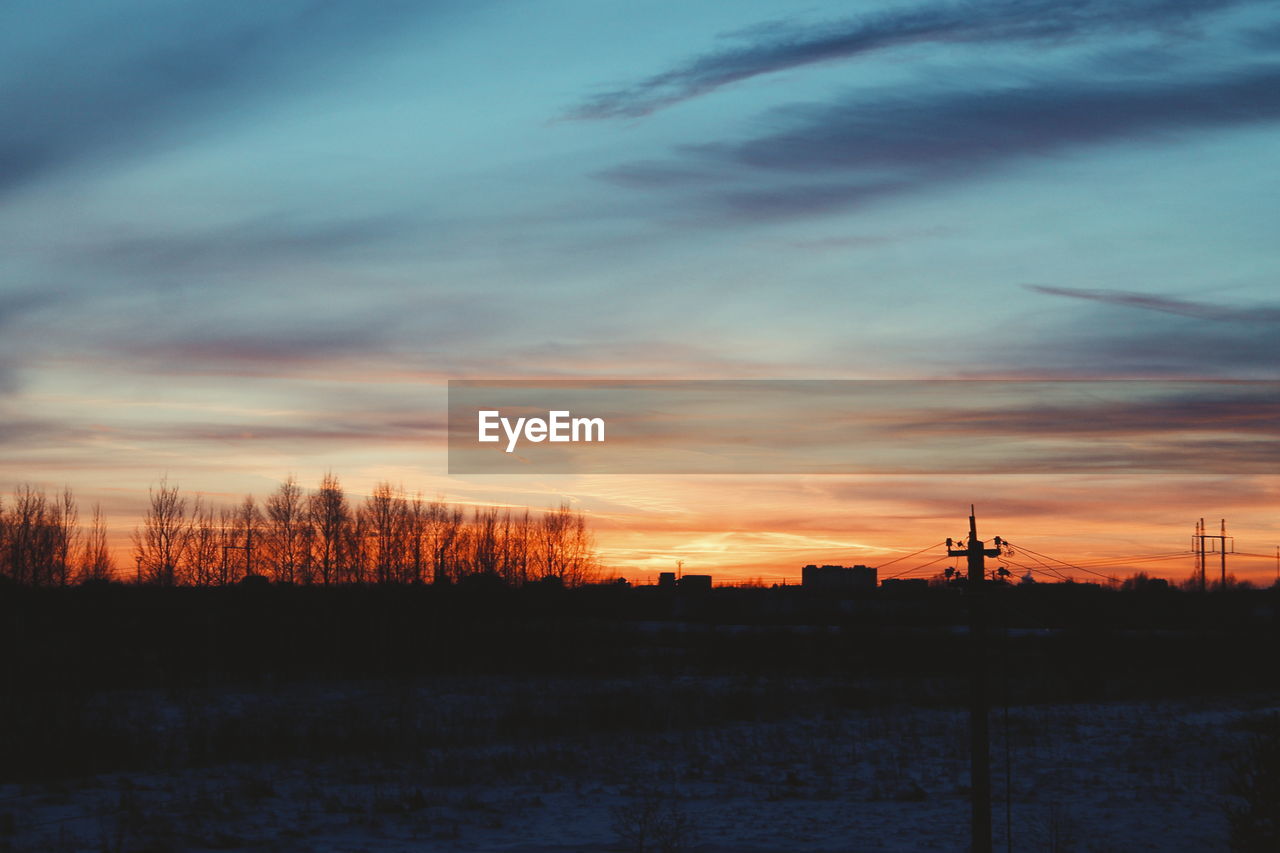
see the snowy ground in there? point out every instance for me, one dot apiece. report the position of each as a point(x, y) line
point(1102, 777)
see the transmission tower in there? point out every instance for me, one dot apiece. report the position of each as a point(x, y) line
point(1221, 541)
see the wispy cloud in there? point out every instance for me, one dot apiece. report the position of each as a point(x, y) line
point(1166, 305)
point(105, 80)
point(265, 240)
point(1178, 337)
point(1239, 410)
point(859, 149)
point(18, 310)
point(326, 433)
point(783, 45)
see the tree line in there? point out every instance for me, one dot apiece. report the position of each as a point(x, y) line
point(295, 536)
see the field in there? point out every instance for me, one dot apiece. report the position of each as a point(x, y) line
point(367, 719)
point(554, 764)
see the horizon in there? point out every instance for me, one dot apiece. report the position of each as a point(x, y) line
point(778, 559)
point(248, 241)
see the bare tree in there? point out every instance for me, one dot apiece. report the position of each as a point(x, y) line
point(66, 531)
point(444, 528)
point(485, 547)
point(225, 568)
point(33, 538)
point(246, 534)
point(160, 545)
point(386, 521)
point(565, 547)
point(95, 555)
point(355, 568)
point(285, 537)
point(418, 560)
point(390, 539)
point(203, 563)
point(330, 520)
point(517, 547)
point(26, 535)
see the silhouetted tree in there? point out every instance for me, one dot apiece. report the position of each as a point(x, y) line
point(203, 563)
point(418, 560)
point(389, 539)
point(1140, 581)
point(246, 530)
point(34, 541)
point(517, 536)
point(285, 543)
point(566, 551)
point(444, 526)
point(386, 532)
point(66, 531)
point(161, 543)
point(330, 520)
point(95, 555)
point(485, 547)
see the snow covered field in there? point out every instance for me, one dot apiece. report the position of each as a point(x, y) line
point(451, 768)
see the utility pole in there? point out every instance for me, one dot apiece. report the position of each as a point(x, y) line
point(1222, 585)
point(1199, 541)
point(979, 700)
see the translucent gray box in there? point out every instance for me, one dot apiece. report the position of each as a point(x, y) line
point(874, 426)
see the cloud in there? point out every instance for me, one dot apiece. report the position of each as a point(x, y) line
point(1178, 337)
point(276, 239)
point(856, 150)
point(216, 352)
point(1151, 302)
point(957, 131)
point(19, 311)
point(1243, 410)
point(781, 46)
point(425, 340)
point(326, 432)
point(104, 81)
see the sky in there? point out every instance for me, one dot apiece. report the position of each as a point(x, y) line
point(242, 240)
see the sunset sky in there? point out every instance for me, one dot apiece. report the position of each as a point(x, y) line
point(245, 239)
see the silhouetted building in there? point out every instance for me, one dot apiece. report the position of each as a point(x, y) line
point(666, 580)
point(838, 577)
point(695, 583)
point(905, 584)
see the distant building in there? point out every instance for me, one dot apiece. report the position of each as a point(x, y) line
point(666, 580)
point(695, 583)
point(838, 577)
point(905, 584)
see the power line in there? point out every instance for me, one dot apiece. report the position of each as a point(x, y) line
point(1047, 571)
point(906, 556)
point(1065, 563)
point(918, 568)
point(1120, 560)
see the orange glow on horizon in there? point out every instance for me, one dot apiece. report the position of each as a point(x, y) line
point(742, 529)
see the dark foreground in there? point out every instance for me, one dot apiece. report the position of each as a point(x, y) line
point(276, 718)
